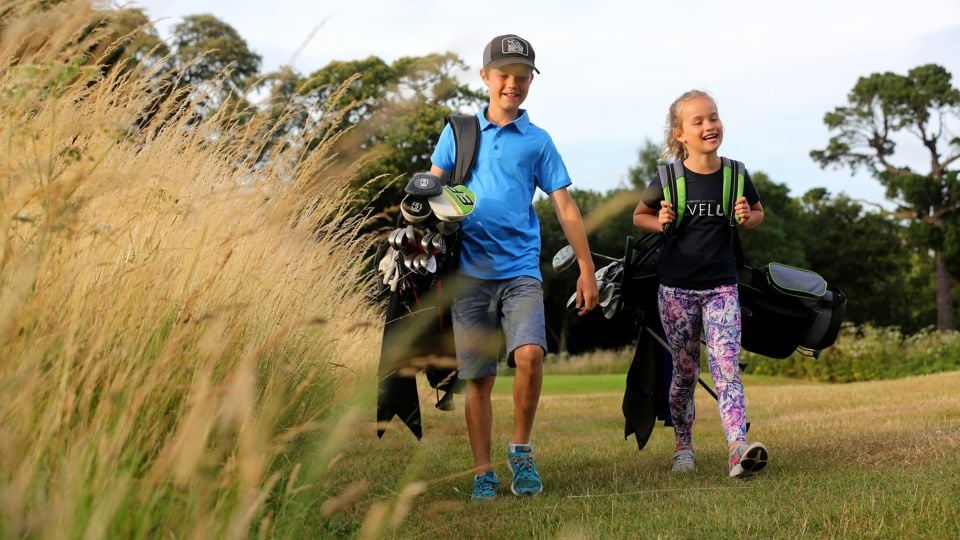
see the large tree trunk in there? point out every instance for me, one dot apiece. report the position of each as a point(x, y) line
point(945, 320)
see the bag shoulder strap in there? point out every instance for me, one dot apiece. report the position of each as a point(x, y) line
point(674, 185)
point(733, 182)
point(466, 137)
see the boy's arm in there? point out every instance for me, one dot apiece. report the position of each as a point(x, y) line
point(436, 171)
point(572, 224)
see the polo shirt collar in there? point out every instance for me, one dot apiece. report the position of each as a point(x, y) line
point(522, 122)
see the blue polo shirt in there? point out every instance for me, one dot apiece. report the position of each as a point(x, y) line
point(501, 237)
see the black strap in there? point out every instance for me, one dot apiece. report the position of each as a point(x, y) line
point(674, 198)
point(734, 233)
point(736, 169)
point(466, 137)
point(668, 191)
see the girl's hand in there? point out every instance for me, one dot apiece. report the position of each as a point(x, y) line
point(666, 214)
point(742, 210)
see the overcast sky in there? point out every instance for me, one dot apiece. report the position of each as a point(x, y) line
point(610, 69)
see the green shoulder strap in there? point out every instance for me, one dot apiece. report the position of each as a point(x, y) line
point(733, 182)
point(673, 181)
point(466, 137)
point(674, 185)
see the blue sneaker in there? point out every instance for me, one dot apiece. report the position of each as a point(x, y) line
point(485, 486)
point(526, 481)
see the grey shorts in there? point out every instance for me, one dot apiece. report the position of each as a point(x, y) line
point(482, 308)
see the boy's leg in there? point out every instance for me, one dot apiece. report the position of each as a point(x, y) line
point(525, 329)
point(721, 321)
point(524, 325)
point(475, 333)
point(527, 382)
point(478, 411)
point(680, 312)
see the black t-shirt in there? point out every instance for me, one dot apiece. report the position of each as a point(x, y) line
point(699, 255)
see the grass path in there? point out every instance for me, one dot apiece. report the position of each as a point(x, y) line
point(867, 459)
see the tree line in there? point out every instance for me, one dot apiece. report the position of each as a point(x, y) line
point(898, 267)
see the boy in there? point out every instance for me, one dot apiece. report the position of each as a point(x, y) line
point(500, 281)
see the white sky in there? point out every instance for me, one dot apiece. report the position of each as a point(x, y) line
point(610, 68)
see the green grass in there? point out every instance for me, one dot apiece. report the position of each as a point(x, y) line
point(565, 384)
point(864, 459)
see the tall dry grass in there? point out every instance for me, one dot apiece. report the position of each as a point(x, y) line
point(171, 316)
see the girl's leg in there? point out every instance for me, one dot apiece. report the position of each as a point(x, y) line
point(721, 321)
point(680, 313)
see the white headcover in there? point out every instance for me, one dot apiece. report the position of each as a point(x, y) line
point(453, 204)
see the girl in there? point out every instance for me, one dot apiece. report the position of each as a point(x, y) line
point(698, 279)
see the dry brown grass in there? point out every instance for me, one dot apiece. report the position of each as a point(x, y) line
point(168, 315)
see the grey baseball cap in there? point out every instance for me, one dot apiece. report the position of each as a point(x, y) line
point(508, 49)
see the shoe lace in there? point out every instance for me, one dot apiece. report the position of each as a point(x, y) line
point(486, 485)
point(683, 458)
point(523, 465)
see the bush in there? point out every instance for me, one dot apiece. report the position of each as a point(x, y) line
point(868, 353)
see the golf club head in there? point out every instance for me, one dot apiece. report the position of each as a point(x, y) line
point(410, 237)
point(430, 265)
point(420, 263)
point(606, 294)
point(563, 259)
point(408, 262)
point(394, 239)
point(611, 309)
point(438, 246)
point(425, 241)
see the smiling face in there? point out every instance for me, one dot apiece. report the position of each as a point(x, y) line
point(700, 131)
point(508, 86)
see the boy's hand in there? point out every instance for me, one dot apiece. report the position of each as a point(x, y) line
point(666, 215)
point(588, 295)
point(742, 210)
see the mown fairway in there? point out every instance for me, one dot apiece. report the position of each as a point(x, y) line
point(879, 459)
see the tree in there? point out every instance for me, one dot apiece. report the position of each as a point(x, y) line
point(393, 114)
point(648, 158)
point(780, 237)
point(865, 255)
point(207, 49)
point(921, 103)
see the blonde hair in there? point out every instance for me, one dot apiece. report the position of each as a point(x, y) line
point(673, 148)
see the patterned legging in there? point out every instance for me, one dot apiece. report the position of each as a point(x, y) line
point(684, 312)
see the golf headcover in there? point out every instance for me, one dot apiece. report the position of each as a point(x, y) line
point(414, 208)
point(453, 204)
point(423, 185)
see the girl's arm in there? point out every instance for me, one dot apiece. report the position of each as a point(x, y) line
point(651, 220)
point(749, 216)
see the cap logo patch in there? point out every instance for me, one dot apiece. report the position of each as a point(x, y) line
point(514, 46)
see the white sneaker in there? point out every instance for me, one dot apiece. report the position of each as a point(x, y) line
point(747, 459)
point(683, 461)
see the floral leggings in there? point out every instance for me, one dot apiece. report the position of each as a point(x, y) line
point(684, 312)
